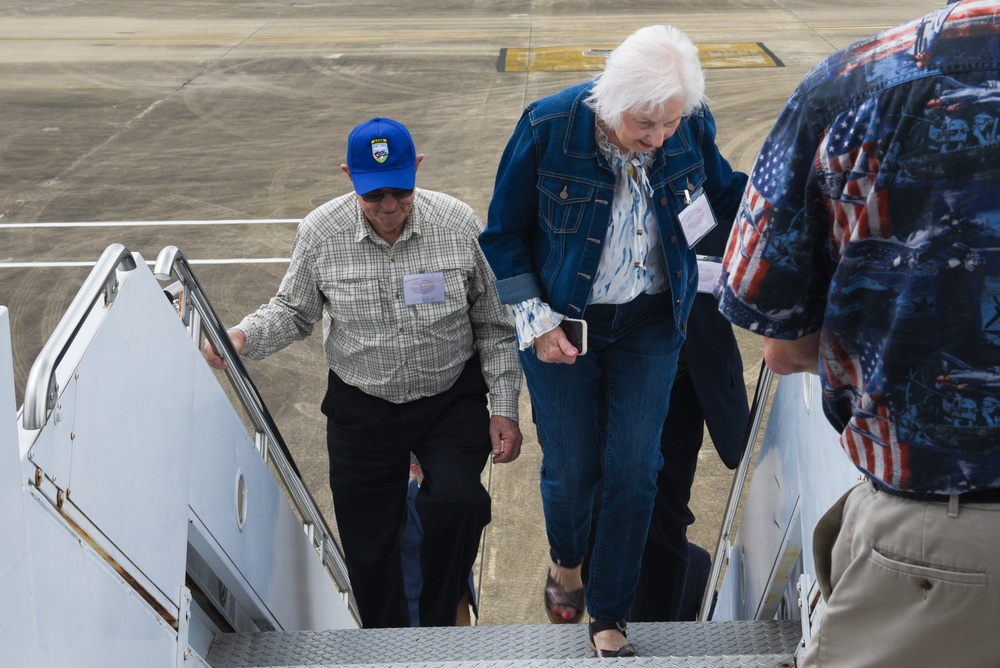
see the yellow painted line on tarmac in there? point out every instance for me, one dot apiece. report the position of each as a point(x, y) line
point(716, 55)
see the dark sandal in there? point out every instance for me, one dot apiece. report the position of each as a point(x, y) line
point(556, 595)
point(625, 650)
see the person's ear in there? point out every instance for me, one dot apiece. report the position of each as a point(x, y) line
point(348, 172)
point(420, 157)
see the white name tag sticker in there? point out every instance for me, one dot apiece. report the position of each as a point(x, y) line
point(697, 219)
point(423, 288)
point(709, 273)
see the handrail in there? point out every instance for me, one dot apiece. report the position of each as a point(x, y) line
point(171, 259)
point(739, 479)
point(41, 390)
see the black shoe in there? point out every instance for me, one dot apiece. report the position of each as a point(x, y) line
point(625, 650)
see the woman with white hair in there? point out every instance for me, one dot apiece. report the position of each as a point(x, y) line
point(599, 196)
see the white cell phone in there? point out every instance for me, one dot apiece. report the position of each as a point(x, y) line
point(576, 331)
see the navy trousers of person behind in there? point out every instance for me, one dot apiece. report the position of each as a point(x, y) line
point(369, 442)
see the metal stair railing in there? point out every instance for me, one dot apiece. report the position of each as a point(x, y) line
point(41, 389)
point(736, 491)
point(198, 315)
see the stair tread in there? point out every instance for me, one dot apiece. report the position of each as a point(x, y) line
point(544, 645)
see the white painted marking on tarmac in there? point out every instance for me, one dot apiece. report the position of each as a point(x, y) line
point(238, 260)
point(152, 223)
point(148, 223)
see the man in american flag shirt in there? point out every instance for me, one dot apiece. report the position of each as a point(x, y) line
point(867, 250)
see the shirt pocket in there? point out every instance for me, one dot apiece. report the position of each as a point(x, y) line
point(355, 306)
point(447, 315)
point(562, 204)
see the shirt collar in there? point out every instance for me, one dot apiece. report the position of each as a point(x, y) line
point(363, 230)
point(614, 155)
point(624, 164)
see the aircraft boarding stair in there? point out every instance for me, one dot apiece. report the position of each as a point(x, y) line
point(149, 519)
point(687, 644)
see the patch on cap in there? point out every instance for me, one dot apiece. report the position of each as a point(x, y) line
point(380, 149)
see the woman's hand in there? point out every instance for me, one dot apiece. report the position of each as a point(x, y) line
point(554, 348)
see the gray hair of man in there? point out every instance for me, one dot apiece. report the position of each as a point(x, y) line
point(652, 66)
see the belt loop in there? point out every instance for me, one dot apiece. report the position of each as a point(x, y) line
point(953, 505)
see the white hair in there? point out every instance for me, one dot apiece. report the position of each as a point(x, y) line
point(653, 66)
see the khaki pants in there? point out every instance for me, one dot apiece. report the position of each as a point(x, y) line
point(906, 584)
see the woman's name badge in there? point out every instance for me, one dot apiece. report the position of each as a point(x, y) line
point(423, 288)
point(696, 218)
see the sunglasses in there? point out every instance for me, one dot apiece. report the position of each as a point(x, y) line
point(378, 195)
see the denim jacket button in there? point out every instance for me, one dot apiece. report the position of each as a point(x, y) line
point(673, 238)
point(663, 201)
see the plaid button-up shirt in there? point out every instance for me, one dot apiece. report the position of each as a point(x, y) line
point(344, 273)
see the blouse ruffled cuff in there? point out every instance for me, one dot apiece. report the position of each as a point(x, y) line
point(532, 318)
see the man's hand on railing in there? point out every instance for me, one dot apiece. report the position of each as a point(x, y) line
point(214, 359)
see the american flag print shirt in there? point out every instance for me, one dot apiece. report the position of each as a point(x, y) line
point(873, 215)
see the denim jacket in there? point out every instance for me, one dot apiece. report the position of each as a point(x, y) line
point(552, 202)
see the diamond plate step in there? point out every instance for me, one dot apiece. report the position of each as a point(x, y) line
point(684, 644)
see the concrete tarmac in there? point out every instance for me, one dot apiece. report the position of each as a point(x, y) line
point(215, 125)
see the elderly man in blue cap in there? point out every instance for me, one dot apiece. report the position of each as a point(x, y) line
point(415, 340)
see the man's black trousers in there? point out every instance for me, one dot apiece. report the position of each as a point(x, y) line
point(369, 441)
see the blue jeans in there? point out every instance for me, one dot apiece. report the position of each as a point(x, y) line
point(633, 347)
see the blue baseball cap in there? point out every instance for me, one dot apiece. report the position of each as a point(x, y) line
point(380, 154)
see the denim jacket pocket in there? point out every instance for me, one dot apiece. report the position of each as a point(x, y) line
point(562, 204)
point(690, 180)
